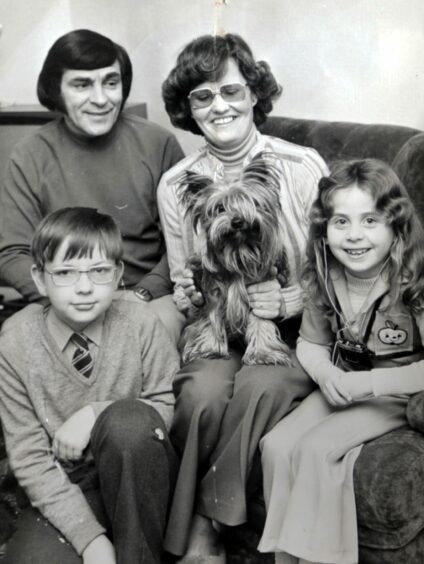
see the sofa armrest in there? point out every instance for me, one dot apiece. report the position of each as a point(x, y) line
point(415, 411)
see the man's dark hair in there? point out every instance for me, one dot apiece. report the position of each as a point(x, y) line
point(81, 49)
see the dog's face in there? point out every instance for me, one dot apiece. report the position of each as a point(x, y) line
point(240, 221)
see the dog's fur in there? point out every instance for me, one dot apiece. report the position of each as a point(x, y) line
point(239, 225)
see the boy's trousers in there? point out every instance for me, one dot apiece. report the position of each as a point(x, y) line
point(128, 488)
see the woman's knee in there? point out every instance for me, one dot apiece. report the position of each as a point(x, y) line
point(205, 383)
point(272, 384)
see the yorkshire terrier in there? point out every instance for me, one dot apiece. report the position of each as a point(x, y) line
point(241, 242)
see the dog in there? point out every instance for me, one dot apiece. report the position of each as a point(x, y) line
point(241, 242)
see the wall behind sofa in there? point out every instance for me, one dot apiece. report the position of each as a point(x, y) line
point(336, 59)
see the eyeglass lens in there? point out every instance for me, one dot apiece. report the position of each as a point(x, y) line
point(69, 276)
point(204, 97)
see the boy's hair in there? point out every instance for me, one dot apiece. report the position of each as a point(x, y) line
point(204, 59)
point(81, 49)
point(406, 259)
point(84, 229)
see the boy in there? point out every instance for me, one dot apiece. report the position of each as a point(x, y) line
point(86, 400)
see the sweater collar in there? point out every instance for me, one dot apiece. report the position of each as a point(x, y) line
point(234, 159)
point(61, 332)
point(91, 142)
point(380, 286)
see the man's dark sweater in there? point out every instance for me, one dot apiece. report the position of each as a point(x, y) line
point(117, 173)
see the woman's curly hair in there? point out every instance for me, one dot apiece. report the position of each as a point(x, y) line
point(406, 260)
point(204, 60)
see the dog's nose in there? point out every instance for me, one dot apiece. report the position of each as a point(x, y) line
point(237, 223)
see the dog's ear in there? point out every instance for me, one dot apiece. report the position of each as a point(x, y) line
point(263, 169)
point(191, 184)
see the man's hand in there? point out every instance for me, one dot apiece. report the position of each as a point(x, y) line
point(100, 550)
point(73, 436)
point(265, 299)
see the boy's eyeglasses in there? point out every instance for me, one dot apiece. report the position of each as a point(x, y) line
point(203, 97)
point(69, 276)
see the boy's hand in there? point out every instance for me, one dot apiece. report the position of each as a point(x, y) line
point(334, 389)
point(73, 436)
point(358, 385)
point(265, 299)
point(99, 550)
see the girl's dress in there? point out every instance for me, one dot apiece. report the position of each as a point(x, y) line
point(308, 457)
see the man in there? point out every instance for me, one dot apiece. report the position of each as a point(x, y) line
point(93, 155)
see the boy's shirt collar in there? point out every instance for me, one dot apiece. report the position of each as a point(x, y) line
point(61, 332)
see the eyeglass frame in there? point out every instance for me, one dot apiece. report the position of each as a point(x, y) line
point(216, 93)
point(82, 271)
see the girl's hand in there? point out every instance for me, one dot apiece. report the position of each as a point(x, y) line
point(333, 388)
point(265, 299)
point(99, 550)
point(73, 436)
point(358, 385)
point(187, 283)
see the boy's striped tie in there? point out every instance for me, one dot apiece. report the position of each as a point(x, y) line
point(82, 359)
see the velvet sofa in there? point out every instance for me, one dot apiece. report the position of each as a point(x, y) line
point(389, 473)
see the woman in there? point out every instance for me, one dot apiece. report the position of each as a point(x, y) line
point(223, 408)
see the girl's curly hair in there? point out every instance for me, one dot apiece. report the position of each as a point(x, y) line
point(406, 260)
point(204, 60)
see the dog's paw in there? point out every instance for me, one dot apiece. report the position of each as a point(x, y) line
point(267, 357)
point(190, 355)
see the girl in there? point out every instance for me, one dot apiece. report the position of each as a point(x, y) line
point(361, 341)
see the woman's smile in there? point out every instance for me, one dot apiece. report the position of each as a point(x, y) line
point(226, 124)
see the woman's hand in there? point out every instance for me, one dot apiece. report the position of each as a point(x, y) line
point(186, 281)
point(73, 436)
point(99, 550)
point(265, 299)
point(333, 388)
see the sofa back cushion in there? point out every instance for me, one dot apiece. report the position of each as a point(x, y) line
point(402, 147)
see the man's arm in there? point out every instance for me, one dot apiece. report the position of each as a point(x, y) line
point(20, 213)
point(158, 281)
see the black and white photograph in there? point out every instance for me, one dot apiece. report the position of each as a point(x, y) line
point(211, 282)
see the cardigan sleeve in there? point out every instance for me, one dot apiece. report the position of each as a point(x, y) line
point(172, 218)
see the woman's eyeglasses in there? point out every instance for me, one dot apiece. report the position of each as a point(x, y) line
point(203, 97)
point(70, 276)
